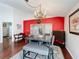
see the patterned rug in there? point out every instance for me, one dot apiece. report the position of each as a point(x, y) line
point(32, 55)
point(57, 54)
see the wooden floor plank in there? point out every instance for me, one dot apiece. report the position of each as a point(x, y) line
point(66, 53)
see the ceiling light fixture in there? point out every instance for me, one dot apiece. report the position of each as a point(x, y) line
point(39, 12)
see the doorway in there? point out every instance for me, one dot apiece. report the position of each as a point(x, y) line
point(7, 34)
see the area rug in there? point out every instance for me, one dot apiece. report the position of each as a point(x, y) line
point(57, 54)
point(38, 56)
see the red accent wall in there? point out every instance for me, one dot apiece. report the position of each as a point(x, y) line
point(57, 22)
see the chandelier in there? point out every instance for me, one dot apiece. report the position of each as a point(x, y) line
point(39, 11)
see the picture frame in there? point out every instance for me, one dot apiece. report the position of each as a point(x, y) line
point(18, 26)
point(74, 22)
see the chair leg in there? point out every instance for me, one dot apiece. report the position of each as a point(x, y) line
point(46, 57)
point(23, 54)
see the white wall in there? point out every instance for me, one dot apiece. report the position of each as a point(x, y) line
point(11, 14)
point(6, 14)
point(72, 40)
point(19, 16)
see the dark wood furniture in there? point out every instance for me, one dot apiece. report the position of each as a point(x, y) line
point(59, 38)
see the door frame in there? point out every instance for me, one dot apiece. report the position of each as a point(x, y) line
point(12, 29)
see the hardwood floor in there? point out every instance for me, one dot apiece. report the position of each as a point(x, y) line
point(66, 53)
point(12, 50)
point(16, 47)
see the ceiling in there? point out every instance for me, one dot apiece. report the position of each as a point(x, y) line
point(52, 7)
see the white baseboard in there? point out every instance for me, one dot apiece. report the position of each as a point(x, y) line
point(70, 53)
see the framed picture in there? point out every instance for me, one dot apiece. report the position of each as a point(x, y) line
point(74, 22)
point(18, 26)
